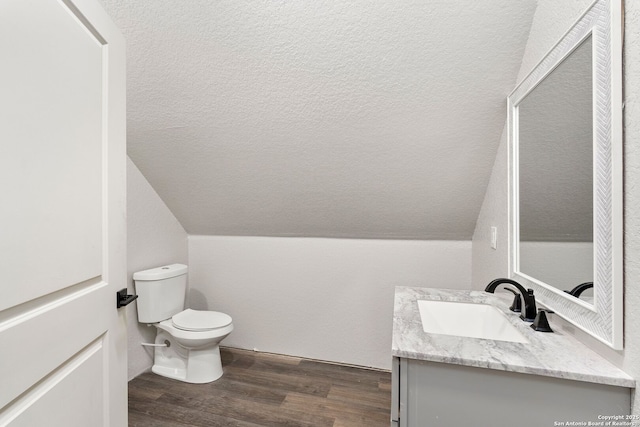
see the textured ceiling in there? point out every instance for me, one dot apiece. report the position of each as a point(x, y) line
point(326, 118)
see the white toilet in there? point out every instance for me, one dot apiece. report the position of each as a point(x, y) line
point(187, 340)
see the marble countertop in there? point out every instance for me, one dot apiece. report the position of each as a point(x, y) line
point(548, 354)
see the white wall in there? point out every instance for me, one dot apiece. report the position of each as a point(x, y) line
point(328, 299)
point(552, 19)
point(154, 238)
point(489, 263)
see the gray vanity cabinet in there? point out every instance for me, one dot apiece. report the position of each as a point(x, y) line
point(428, 394)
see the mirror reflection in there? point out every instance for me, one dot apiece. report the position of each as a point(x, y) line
point(555, 166)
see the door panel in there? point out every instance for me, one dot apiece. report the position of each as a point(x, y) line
point(62, 216)
point(51, 160)
point(43, 331)
point(49, 404)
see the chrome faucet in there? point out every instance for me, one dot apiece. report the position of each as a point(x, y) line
point(530, 311)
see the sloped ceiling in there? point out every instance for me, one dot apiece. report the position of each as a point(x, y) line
point(368, 119)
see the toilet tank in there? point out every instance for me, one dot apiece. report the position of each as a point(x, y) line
point(161, 292)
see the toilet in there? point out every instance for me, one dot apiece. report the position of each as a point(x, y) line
point(186, 347)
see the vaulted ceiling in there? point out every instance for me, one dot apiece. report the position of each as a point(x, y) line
point(369, 119)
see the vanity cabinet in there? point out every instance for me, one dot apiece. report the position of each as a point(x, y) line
point(550, 379)
point(428, 394)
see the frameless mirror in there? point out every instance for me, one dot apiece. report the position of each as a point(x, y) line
point(565, 161)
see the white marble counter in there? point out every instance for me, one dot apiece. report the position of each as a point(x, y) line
point(548, 354)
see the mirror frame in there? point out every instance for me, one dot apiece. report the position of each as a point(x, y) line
point(604, 318)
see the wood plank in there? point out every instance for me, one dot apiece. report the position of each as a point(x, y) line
point(254, 412)
point(168, 412)
point(385, 384)
point(344, 411)
point(342, 373)
point(224, 387)
point(285, 381)
point(137, 419)
point(143, 389)
point(373, 400)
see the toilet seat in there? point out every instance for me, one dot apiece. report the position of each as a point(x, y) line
point(198, 320)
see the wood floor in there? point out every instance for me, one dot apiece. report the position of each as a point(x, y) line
point(260, 389)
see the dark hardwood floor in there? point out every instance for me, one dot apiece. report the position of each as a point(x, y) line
point(259, 389)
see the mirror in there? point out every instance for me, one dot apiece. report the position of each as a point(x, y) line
point(555, 165)
point(565, 168)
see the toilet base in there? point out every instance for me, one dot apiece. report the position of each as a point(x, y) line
point(188, 365)
point(164, 371)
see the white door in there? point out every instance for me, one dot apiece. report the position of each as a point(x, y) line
point(62, 215)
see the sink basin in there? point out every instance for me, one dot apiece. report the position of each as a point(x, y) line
point(467, 320)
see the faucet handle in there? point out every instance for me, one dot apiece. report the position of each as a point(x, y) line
point(516, 306)
point(530, 310)
point(541, 323)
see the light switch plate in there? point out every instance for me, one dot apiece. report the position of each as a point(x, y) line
point(494, 237)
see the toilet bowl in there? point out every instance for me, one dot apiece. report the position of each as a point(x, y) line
point(187, 341)
point(193, 353)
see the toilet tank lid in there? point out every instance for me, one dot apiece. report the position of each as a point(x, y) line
point(159, 273)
